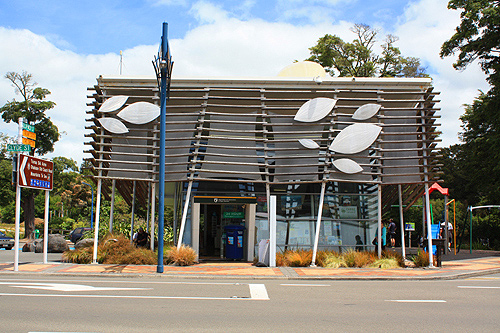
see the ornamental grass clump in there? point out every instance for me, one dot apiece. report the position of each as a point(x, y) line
point(385, 263)
point(349, 258)
point(335, 260)
point(299, 258)
point(294, 258)
point(113, 250)
point(395, 255)
point(364, 258)
point(183, 256)
point(421, 259)
point(322, 255)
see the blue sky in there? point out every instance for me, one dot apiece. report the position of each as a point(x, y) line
point(93, 27)
point(67, 44)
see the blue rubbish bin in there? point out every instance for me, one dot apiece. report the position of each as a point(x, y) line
point(234, 241)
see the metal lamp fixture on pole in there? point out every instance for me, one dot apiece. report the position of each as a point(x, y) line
point(163, 67)
point(92, 207)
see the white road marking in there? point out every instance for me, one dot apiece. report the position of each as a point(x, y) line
point(258, 292)
point(303, 285)
point(124, 281)
point(478, 287)
point(66, 287)
point(416, 300)
point(127, 296)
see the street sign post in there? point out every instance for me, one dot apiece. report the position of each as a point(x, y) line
point(28, 127)
point(18, 147)
point(35, 173)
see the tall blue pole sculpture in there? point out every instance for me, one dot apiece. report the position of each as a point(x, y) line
point(92, 207)
point(163, 67)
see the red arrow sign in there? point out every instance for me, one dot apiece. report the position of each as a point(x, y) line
point(35, 172)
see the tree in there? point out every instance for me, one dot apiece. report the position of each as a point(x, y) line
point(478, 38)
point(357, 59)
point(32, 107)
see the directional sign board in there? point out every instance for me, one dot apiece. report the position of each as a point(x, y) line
point(30, 142)
point(18, 147)
point(28, 127)
point(29, 135)
point(35, 172)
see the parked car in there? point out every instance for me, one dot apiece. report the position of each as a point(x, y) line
point(77, 234)
point(6, 242)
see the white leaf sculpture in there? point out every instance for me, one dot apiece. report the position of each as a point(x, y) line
point(366, 111)
point(113, 103)
point(355, 138)
point(113, 125)
point(346, 165)
point(309, 144)
point(315, 109)
point(140, 113)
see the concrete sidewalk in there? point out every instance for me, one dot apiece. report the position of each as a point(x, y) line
point(451, 269)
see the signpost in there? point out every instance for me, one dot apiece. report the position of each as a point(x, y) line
point(35, 173)
point(18, 147)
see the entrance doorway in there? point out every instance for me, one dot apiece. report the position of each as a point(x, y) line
point(210, 230)
point(209, 217)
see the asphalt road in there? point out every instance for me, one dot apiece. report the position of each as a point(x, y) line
point(8, 256)
point(148, 304)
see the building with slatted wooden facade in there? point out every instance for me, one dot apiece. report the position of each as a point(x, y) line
point(333, 151)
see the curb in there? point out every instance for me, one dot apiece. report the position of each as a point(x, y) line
point(456, 276)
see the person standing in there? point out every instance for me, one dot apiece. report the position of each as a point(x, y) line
point(384, 237)
point(392, 232)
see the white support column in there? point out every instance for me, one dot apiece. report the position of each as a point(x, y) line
point(272, 231)
point(132, 215)
point(46, 227)
point(147, 207)
point(112, 209)
point(429, 228)
point(401, 222)
point(18, 222)
point(18, 200)
point(318, 224)
point(446, 230)
point(379, 222)
point(195, 228)
point(250, 234)
point(153, 206)
point(184, 214)
point(96, 222)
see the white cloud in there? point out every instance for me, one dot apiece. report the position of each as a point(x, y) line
point(207, 12)
point(66, 74)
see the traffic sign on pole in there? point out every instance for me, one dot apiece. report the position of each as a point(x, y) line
point(35, 173)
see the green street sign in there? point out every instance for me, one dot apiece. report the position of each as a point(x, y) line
point(29, 127)
point(18, 147)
